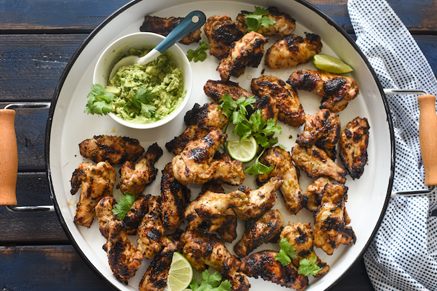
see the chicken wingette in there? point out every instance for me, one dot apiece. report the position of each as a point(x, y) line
point(312, 197)
point(151, 231)
point(216, 89)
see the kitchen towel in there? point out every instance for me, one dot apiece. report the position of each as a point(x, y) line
point(403, 254)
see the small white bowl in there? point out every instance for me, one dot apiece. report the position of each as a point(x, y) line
point(140, 40)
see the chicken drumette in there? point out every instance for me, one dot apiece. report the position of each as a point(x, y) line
point(312, 197)
point(151, 231)
point(216, 89)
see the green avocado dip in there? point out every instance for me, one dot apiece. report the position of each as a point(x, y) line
point(141, 94)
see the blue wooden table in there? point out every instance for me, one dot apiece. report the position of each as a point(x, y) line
point(37, 39)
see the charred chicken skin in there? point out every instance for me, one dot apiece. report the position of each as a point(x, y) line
point(264, 265)
point(191, 133)
point(135, 178)
point(151, 231)
point(205, 116)
point(259, 231)
point(136, 213)
point(312, 197)
point(104, 214)
point(96, 182)
point(336, 90)
point(281, 162)
point(113, 149)
point(216, 89)
point(231, 271)
point(354, 140)
point(164, 26)
point(248, 51)
point(292, 51)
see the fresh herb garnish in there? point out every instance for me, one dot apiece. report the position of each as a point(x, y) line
point(198, 54)
point(210, 282)
point(99, 102)
point(257, 19)
point(142, 100)
point(123, 205)
point(308, 266)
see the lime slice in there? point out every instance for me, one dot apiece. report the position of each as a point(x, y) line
point(244, 150)
point(331, 64)
point(180, 274)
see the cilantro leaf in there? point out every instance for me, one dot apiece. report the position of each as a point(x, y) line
point(283, 258)
point(228, 105)
point(210, 282)
point(199, 54)
point(123, 205)
point(287, 252)
point(308, 266)
point(99, 102)
point(257, 19)
point(258, 168)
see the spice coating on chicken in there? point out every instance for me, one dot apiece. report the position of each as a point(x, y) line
point(113, 149)
point(316, 163)
point(221, 32)
point(287, 101)
point(96, 182)
point(164, 26)
point(264, 265)
point(216, 89)
point(284, 23)
point(281, 162)
point(231, 271)
point(191, 133)
point(248, 51)
point(151, 230)
point(267, 107)
point(330, 230)
point(205, 116)
point(354, 140)
point(134, 179)
point(312, 197)
point(105, 215)
point(259, 231)
point(300, 236)
point(292, 51)
point(336, 90)
point(133, 217)
point(228, 230)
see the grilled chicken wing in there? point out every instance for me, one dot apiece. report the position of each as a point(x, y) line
point(134, 179)
point(113, 149)
point(267, 107)
point(231, 271)
point(151, 230)
point(216, 89)
point(323, 130)
point(265, 266)
point(354, 140)
point(258, 232)
point(260, 200)
point(316, 163)
point(248, 51)
point(312, 197)
point(136, 213)
point(292, 51)
point(228, 230)
point(104, 214)
point(164, 26)
point(336, 90)
point(280, 161)
point(300, 236)
point(191, 133)
point(221, 32)
point(175, 197)
point(207, 115)
point(287, 101)
point(330, 230)
point(284, 23)
point(96, 182)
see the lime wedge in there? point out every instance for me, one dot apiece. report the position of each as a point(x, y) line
point(180, 274)
point(331, 64)
point(244, 150)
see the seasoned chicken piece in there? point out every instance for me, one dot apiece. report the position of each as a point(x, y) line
point(260, 200)
point(354, 140)
point(323, 130)
point(136, 213)
point(312, 197)
point(285, 24)
point(134, 179)
point(267, 107)
point(300, 236)
point(336, 90)
point(206, 116)
point(231, 271)
point(330, 230)
point(164, 26)
point(292, 51)
point(287, 101)
point(265, 266)
point(221, 32)
point(228, 230)
point(259, 231)
point(216, 89)
point(113, 149)
point(280, 161)
point(96, 182)
point(316, 163)
point(248, 51)
point(191, 133)
point(104, 214)
point(124, 258)
point(151, 230)
point(195, 164)
point(175, 197)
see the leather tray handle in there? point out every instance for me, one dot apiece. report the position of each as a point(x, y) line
point(428, 137)
point(8, 158)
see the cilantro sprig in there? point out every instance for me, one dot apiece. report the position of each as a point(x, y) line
point(123, 205)
point(250, 125)
point(257, 19)
point(210, 282)
point(199, 54)
point(99, 102)
point(307, 266)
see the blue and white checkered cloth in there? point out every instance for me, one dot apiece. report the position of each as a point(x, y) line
point(403, 255)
